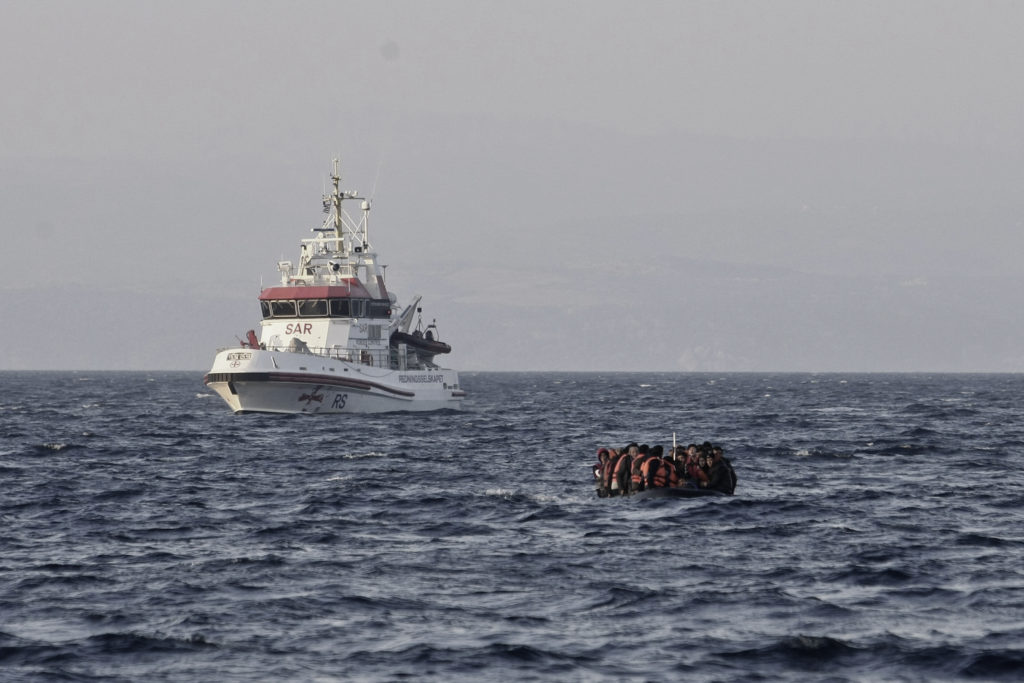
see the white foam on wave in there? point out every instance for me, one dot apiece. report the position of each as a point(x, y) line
point(547, 498)
point(806, 453)
point(358, 456)
point(838, 410)
point(543, 498)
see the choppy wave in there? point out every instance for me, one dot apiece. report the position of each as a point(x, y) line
point(875, 534)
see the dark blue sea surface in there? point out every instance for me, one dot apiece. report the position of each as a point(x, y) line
point(877, 533)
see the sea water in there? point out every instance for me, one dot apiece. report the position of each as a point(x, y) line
point(877, 533)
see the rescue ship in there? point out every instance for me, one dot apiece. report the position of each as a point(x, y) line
point(332, 338)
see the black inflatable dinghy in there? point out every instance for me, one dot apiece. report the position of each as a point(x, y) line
point(676, 492)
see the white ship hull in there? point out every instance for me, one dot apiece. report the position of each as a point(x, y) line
point(253, 380)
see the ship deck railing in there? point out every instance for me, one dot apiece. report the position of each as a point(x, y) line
point(379, 358)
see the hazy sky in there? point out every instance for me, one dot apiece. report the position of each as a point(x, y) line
point(571, 185)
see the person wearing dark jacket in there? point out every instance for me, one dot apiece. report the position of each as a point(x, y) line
point(722, 476)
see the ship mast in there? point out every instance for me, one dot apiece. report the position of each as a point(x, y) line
point(359, 234)
point(336, 197)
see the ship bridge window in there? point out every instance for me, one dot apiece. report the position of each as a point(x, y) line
point(339, 308)
point(357, 308)
point(265, 307)
point(313, 308)
point(282, 309)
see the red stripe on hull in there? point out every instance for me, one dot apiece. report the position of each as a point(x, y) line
point(303, 378)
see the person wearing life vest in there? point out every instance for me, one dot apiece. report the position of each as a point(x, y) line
point(607, 470)
point(686, 455)
point(636, 482)
point(603, 454)
point(660, 473)
point(602, 459)
point(691, 457)
point(623, 476)
point(671, 474)
point(696, 476)
point(608, 474)
point(618, 471)
point(654, 474)
point(723, 476)
point(677, 458)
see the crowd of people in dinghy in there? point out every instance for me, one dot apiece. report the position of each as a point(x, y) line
point(636, 467)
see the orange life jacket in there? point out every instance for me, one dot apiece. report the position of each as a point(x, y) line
point(661, 473)
point(616, 474)
point(638, 477)
point(648, 468)
point(696, 474)
point(606, 471)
